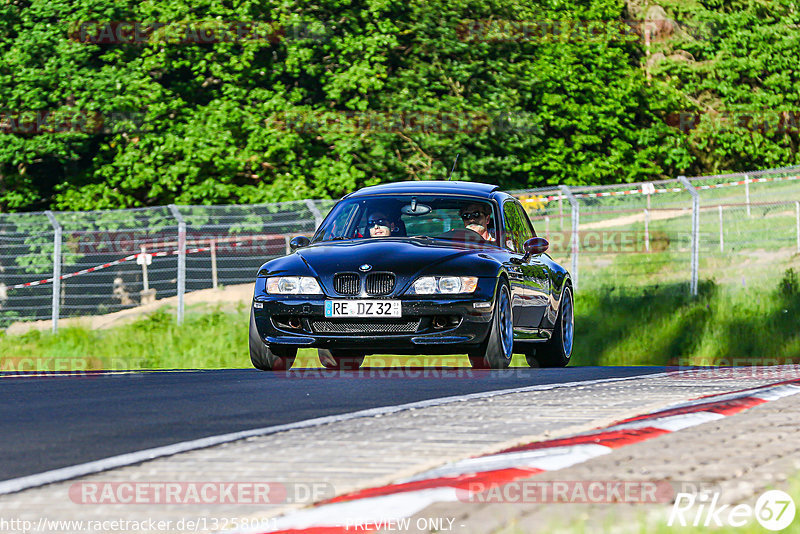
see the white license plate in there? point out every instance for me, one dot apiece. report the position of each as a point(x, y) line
point(362, 308)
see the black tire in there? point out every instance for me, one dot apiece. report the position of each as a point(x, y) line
point(496, 350)
point(266, 358)
point(339, 359)
point(557, 351)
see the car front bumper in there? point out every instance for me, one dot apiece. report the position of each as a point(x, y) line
point(442, 325)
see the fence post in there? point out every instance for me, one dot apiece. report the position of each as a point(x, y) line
point(695, 231)
point(143, 256)
point(647, 227)
point(214, 280)
point(575, 222)
point(181, 258)
point(315, 212)
point(797, 223)
point(560, 212)
point(56, 269)
point(747, 193)
point(547, 227)
point(721, 234)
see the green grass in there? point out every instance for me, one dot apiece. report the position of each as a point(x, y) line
point(653, 325)
point(662, 324)
point(654, 521)
point(213, 339)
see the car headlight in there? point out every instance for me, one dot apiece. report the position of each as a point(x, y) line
point(293, 285)
point(446, 285)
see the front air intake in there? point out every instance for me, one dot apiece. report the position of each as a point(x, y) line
point(347, 283)
point(380, 283)
point(366, 326)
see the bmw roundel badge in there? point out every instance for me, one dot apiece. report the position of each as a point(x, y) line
point(364, 268)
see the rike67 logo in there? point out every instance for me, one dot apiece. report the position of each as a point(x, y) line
point(774, 510)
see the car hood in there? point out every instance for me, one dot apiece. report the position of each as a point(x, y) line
point(407, 258)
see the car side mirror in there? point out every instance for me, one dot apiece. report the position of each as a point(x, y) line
point(535, 246)
point(299, 242)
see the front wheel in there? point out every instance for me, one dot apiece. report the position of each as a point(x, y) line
point(266, 358)
point(339, 359)
point(496, 351)
point(557, 351)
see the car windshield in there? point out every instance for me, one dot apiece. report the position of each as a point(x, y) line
point(455, 218)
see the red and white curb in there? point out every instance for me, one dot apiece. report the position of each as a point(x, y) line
point(370, 509)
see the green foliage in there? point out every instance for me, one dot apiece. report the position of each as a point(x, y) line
point(6, 319)
point(207, 123)
point(739, 75)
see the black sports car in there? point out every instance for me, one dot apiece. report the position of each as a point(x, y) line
point(416, 267)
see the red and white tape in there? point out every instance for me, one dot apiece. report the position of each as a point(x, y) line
point(663, 190)
point(368, 509)
point(107, 265)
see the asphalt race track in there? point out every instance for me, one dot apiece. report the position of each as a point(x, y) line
point(52, 422)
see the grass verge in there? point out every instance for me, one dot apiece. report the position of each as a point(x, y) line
point(656, 325)
point(664, 325)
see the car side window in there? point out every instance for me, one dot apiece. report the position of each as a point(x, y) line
point(513, 227)
point(337, 226)
point(527, 228)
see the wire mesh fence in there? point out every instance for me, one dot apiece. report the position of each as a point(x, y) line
point(747, 230)
point(743, 229)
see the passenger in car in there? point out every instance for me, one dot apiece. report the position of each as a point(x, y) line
point(477, 218)
point(379, 225)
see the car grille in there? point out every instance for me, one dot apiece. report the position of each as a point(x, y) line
point(347, 283)
point(380, 283)
point(365, 327)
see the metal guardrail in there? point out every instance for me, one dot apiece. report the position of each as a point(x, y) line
point(670, 231)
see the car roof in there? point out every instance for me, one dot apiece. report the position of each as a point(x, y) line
point(429, 187)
